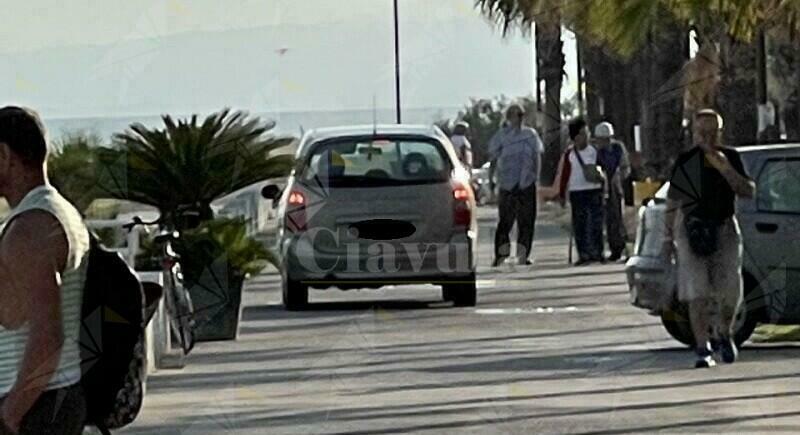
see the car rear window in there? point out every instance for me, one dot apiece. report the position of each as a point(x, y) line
point(370, 162)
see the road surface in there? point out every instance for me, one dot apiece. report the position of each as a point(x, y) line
point(549, 349)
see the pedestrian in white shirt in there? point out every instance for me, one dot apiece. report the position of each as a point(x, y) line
point(461, 144)
point(580, 178)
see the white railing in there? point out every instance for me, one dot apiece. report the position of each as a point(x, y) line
point(249, 204)
point(246, 203)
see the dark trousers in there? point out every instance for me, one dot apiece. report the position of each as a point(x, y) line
point(518, 205)
point(587, 223)
point(57, 412)
point(615, 224)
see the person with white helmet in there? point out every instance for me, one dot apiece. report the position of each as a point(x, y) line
point(613, 157)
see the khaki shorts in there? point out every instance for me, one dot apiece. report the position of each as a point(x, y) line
point(718, 277)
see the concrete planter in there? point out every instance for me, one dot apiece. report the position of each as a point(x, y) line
point(217, 300)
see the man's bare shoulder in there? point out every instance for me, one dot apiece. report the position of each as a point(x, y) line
point(38, 236)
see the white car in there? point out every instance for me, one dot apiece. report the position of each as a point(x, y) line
point(367, 207)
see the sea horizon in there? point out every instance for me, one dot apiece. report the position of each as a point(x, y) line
point(286, 123)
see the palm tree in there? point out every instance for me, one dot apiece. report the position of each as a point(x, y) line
point(728, 27)
point(550, 60)
point(182, 168)
point(657, 31)
point(71, 168)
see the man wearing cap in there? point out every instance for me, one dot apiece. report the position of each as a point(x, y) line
point(705, 183)
point(516, 150)
point(613, 158)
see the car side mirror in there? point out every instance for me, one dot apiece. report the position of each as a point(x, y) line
point(271, 191)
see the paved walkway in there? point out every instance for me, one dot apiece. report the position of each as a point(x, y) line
point(549, 349)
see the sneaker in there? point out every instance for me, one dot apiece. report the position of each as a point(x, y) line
point(524, 262)
point(498, 261)
point(705, 362)
point(582, 262)
point(613, 258)
point(705, 358)
point(728, 351)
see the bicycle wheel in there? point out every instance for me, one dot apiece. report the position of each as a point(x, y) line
point(181, 313)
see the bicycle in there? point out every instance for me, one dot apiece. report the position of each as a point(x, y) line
point(177, 300)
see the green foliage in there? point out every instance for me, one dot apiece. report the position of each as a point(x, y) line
point(107, 236)
point(624, 25)
point(188, 164)
point(221, 242)
point(72, 168)
point(149, 256)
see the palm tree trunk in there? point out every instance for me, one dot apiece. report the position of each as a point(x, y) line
point(738, 99)
point(796, 124)
point(551, 62)
point(613, 91)
point(662, 63)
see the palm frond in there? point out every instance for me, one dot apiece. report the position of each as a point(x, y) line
point(189, 163)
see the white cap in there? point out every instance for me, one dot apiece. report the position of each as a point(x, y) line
point(711, 112)
point(604, 130)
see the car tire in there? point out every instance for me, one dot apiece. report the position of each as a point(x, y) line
point(295, 295)
point(463, 294)
point(676, 322)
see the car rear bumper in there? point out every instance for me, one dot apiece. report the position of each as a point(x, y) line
point(413, 264)
point(651, 283)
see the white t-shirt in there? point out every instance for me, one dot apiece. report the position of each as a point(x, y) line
point(577, 182)
point(463, 149)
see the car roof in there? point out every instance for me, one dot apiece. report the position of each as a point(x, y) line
point(768, 148)
point(369, 130)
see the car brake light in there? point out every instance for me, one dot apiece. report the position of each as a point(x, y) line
point(297, 198)
point(296, 212)
point(462, 213)
point(460, 193)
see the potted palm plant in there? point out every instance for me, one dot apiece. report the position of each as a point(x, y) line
point(217, 257)
point(181, 169)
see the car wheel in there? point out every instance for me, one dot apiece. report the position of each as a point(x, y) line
point(745, 325)
point(463, 294)
point(295, 295)
point(676, 322)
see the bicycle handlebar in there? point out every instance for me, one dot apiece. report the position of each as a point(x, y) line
point(137, 221)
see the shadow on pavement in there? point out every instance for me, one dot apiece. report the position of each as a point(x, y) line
point(489, 411)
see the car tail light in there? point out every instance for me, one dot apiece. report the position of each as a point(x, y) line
point(296, 211)
point(462, 212)
point(461, 193)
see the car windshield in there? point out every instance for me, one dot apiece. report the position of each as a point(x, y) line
point(372, 162)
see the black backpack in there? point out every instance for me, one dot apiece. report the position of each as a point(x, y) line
point(112, 339)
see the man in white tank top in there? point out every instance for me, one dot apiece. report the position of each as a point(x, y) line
point(43, 256)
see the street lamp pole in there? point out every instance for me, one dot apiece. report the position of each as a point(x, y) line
point(397, 61)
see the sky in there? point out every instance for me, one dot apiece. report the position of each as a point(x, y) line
point(121, 58)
